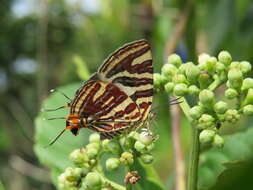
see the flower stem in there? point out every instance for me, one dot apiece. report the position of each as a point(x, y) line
point(214, 84)
point(113, 185)
point(194, 161)
point(195, 148)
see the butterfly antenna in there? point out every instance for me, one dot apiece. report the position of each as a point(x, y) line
point(61, 107)
point(55, 139)
point(56, 90)
point(54, 118)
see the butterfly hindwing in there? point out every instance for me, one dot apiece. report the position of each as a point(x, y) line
point(105, 105)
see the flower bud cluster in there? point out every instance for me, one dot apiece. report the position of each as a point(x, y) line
point(124, 150)
point(200, 80)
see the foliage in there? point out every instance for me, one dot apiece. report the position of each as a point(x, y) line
point(39, 47)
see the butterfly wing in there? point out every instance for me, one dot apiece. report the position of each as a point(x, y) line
point(105, 106)
point(119, 95)
point(130, 68)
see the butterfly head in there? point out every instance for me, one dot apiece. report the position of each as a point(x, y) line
point(74, 123)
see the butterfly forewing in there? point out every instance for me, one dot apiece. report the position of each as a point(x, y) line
point(130, 68)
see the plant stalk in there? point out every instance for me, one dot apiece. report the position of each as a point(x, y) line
point(195, 149)
point(194, 161)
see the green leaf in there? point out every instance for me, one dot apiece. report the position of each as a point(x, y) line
point(149, 178)
point(217, 162)
point(238, 175)
point(56, 156)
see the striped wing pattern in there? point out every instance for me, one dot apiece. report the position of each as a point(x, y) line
point(119, 95)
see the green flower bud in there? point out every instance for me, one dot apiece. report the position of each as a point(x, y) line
point(93, 145)
point(147, 158)
point(192, 72)
point(206, 97)
point(105, 143)
point(193, 90)
point(235, 65)
point(205, 121)
point(220, 67)
point(139, 146)
point(225, 57)
point(79, 157)
point(245, 67)
point(232, 116)
point(134, 135)
point(179, 78)
point(202, 59)
point(158, 79)
point(206, 136)
point(113, 147)
point(169, 87)
point(220, 107)
point(204, 79)
point(182, 69)
point(72, 174)
point(180, 89)
point(247, 83)
point(150, 147)
point(93, 181)
point(235, 77)
point(248, 110)
point(63, 183)
point(174, 59)
point(94, 138)
point(169, 70)
point(231, 93)
point(145, 138)
point(195, 112)
point(127, 158)
point(92, 152)
point(112, 163)
point(218, 141)
point(211, 64)
point(249, 97)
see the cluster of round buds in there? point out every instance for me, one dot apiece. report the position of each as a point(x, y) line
point(142, 142)
point(200, 80)
point(124, 150)
point(69, 179)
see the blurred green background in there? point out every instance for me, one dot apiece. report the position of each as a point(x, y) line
point(47, 44)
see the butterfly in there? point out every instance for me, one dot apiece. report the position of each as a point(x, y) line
point(118, 97)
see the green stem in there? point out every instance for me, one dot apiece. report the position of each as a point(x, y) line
point(214, 84)
point(194, 161)
point(112, 184)
point(194, 157)
point(186, 108)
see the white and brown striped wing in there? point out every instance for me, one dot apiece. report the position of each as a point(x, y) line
point(106, 107)
point(130, 68)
